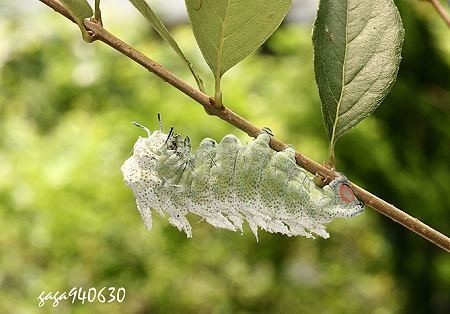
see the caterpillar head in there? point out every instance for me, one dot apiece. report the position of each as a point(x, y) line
point(160, 145)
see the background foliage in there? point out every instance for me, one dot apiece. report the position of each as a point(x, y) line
point(66, 218)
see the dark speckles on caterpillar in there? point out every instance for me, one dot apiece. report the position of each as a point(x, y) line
point(229, 183)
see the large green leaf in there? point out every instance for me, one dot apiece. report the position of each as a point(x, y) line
point(357, 46)
point(143, 7)
point(229, 30)
point(80, 10)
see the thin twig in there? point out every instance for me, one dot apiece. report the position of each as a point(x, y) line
point(99, 33)
point(441, 11)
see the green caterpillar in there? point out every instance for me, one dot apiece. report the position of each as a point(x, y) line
point(228, 183)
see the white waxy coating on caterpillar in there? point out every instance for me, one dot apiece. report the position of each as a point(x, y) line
point(229, 183)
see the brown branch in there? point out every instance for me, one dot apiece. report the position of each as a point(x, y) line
point(99, 33)
point(58, 7)
point(440, 10)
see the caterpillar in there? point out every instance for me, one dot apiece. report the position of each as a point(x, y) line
point(229, 183)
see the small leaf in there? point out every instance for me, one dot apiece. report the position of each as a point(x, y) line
point(357, 46)
point(229, 30)
point(143, 7)
point(80, 10)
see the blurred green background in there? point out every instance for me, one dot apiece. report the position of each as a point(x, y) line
point(67, 220)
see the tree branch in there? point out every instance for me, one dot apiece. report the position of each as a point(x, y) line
point(99, 33)
point(440, 10)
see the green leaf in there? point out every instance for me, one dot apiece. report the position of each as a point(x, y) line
point(143, 7)
point(80, 10)
point(229, 30)
point(357, 46)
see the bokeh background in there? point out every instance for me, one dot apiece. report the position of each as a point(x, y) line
point(67, 220)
